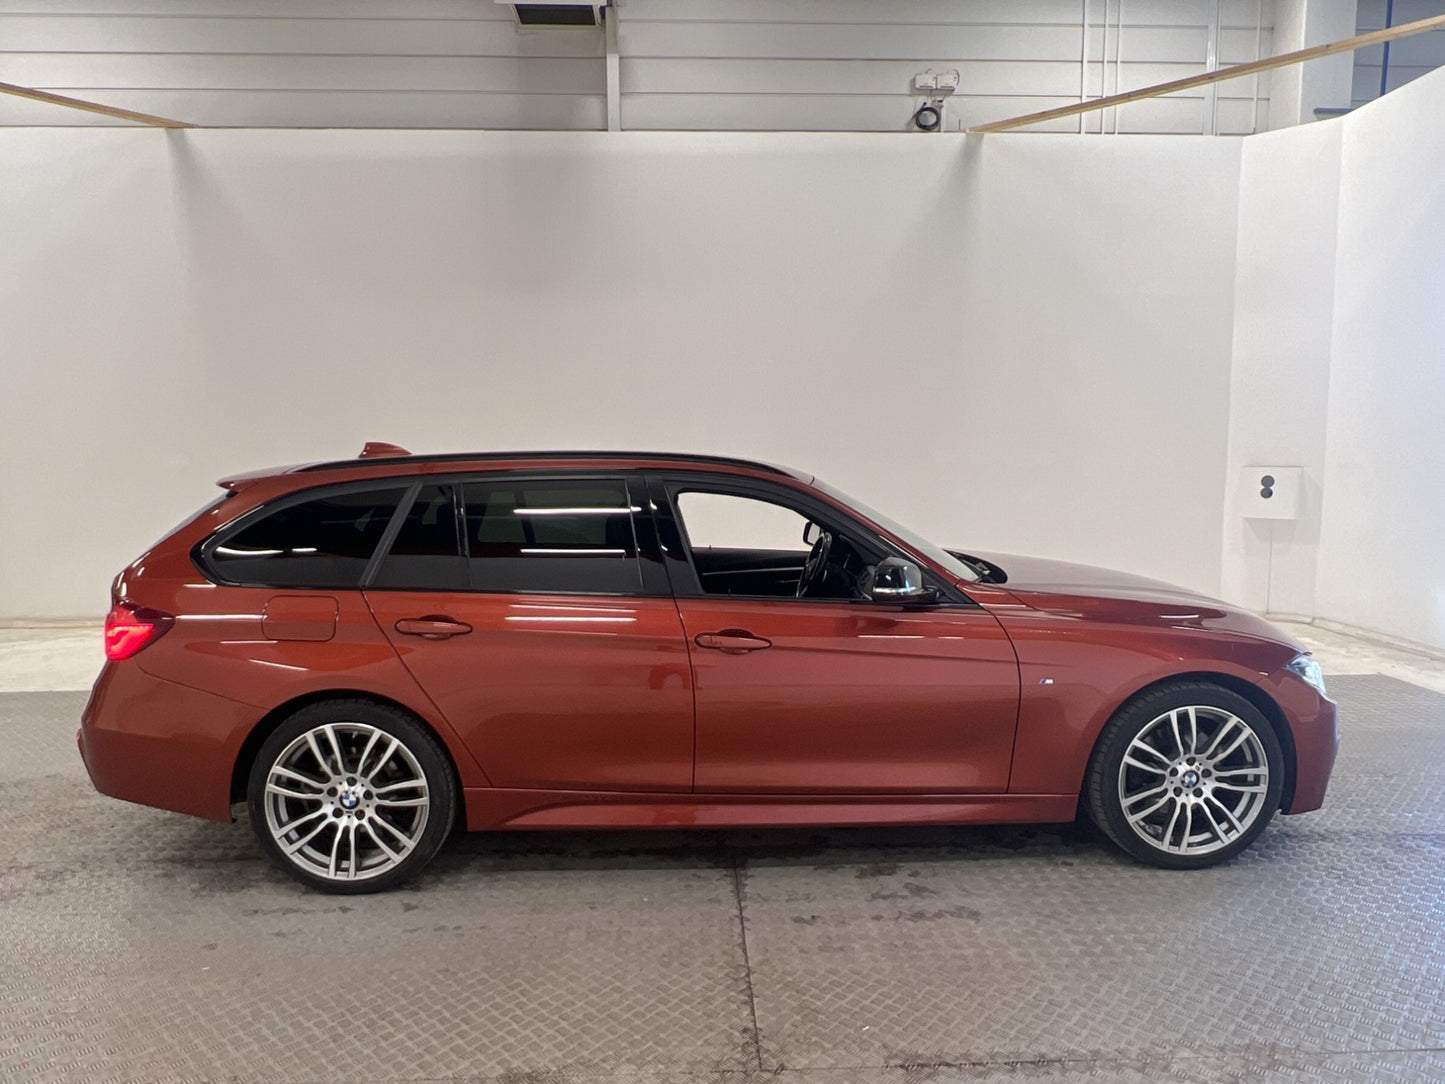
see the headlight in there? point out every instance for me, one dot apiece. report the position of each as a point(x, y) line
point(1306, 667)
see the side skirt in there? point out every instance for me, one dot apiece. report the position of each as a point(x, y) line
point(495, 808)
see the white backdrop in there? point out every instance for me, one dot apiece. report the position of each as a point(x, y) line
point(1382, 548)
point(1339, 366)
point(1012, 343)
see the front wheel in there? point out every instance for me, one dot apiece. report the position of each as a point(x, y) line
point(350, 796)
point(1186, 776)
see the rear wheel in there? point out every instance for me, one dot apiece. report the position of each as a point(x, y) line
point(350, 796)
point(1186, 776)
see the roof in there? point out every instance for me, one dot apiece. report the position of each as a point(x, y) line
point(392, 459)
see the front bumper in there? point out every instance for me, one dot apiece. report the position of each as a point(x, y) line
point(1314, 725)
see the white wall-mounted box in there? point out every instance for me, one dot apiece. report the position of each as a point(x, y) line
point(1270, 492)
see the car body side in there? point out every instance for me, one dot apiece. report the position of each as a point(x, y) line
point(175, 726)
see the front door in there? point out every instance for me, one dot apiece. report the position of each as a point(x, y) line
point(829, 693)
point(520, 606)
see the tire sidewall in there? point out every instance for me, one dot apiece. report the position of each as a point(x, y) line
point(1104, 804)
point(434, 762)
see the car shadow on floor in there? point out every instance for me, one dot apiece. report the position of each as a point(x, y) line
point(732, 848)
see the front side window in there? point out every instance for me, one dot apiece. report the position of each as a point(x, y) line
point(750, 546)
point(573, 536)
point(325, 542)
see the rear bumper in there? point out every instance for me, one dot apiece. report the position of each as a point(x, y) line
point(156, 743)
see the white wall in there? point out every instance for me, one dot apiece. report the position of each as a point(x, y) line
point(1283, 305)
point(1382, 548)
point(1338, 346)
point(1014, 343)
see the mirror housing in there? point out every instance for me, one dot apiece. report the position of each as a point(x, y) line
point(895, 580)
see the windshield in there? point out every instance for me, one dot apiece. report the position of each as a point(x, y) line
point(916, 541)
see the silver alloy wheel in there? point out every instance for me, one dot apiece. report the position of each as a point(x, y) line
point(1193, 780)
point(346, 801)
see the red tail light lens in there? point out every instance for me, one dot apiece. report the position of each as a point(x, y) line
point(129, 627)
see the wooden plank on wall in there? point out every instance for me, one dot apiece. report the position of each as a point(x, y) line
point(185, 71)
point(91, 108)
point(1209, 78)
point(322, 109)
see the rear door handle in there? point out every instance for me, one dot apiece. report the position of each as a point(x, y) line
point(731, 641)
point(432, 627)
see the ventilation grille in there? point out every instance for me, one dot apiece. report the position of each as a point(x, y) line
point(557, 14)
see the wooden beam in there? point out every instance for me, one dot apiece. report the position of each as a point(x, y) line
point(92, 107)
point(1390, 33)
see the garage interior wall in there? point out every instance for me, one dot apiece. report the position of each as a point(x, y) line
point(1034, 344)
point(1014, 343)
point(1339, 336)
point(1381, 560)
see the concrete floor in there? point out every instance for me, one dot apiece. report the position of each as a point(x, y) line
point(140, 945)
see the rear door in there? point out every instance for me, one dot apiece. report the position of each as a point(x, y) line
point(534, 611)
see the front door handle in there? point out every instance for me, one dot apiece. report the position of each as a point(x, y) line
point(732, 641)
point(432, 627)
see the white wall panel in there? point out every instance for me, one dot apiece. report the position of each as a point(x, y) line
point(787, 56)
point(856, 77)
point(798, 41)
point(290, 109)
point(401, 64)
point(313, 37)
point(950, 12)
point(438, 63)
point(1339, 335)
point(319, 9)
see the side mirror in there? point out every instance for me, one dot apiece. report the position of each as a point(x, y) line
point(894, 580)
point(811, 532)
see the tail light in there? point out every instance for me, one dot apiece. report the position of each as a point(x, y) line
point(129, 627)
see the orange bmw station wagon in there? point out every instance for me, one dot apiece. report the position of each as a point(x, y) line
point(365, 651)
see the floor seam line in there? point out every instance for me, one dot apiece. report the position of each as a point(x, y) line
point(747, 962)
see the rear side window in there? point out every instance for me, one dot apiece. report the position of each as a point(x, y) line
point(326, 541)
point(564, 536)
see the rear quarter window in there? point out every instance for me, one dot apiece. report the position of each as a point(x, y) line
point(324, 541)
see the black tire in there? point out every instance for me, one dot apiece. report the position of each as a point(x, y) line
point(1234, 795)
point(331, 814)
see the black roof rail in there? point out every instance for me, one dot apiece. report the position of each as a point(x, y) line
point(576, 453)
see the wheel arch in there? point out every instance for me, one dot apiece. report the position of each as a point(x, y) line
point(267, 724)
point(1260, 699)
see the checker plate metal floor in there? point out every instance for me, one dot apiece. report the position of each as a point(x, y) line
point(140, 945)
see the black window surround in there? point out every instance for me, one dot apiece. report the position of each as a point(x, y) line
point(664, 561)
point(651, 578)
